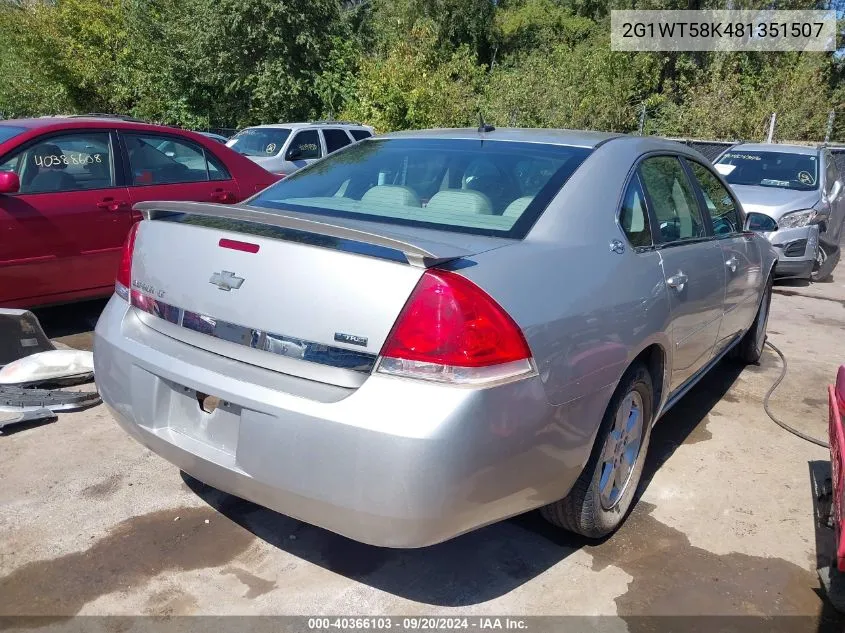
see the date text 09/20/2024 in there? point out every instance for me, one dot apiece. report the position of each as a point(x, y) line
point(416, 623)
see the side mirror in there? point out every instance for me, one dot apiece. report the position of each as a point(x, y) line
point(9, 182)
point(760, 223)
point(294, 153)
point(837, 187)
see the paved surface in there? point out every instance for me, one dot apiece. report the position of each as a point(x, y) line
point(93, 523)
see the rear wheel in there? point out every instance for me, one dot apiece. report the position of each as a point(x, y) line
point(750, 348)
point(602, 495)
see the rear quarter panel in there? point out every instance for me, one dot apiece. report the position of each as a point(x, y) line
point(586, 311)
point(768, 257)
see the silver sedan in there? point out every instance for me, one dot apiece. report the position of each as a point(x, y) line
point(428, 332)
point(793, 194)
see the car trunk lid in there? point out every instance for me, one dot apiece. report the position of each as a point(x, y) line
point(307, 298)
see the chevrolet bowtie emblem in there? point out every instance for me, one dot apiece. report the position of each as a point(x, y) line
point(226, 280)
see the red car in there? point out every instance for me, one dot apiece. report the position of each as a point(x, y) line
point(67, 186)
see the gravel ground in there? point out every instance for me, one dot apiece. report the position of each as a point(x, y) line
point(93, 523)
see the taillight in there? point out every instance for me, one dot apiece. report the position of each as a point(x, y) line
point(452, 331)
point(123, 281)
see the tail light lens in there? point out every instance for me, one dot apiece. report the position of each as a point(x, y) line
point(452, 331)
point(123, 281)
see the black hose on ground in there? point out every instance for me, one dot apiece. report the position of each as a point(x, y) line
point(781, 423)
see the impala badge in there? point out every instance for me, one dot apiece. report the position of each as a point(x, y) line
point(226, 280)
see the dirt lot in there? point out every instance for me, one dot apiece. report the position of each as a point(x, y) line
point(92, 523)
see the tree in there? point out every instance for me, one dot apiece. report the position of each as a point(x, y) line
point(26, 89)
point(253, 61)
point(453, 23)
point(417, 86)
point(73, 48)
point(584, 87)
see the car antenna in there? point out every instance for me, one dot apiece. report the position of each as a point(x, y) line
point(482, 126)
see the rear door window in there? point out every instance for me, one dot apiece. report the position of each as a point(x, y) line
point(464, 185)
point(335, 139)
point(164, 160)
point(305, 145)
point(722, 207)
point(633, 216)
point(672, 199)
point(72, 162)
point(216, 169)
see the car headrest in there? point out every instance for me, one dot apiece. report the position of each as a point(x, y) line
point(460, 201)
point(391, 194)
point(515, 208)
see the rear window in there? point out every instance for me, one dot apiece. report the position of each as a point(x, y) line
point(8, 131)
point(770, 169)
point(486, 187)
point(259, 141)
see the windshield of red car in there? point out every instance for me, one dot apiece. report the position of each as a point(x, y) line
point(8, 131)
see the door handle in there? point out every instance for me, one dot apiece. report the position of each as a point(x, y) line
point(677, 281)
point(110, 204)
point(221, 195)
point(731, 264)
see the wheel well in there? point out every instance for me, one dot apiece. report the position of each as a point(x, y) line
point(654, 358)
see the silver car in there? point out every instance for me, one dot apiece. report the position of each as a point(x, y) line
point(793, 194)
point(285, 147)
point(431, 331)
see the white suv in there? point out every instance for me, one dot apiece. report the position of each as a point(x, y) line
point(282, 148)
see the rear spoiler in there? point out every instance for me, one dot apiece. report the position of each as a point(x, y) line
point(421, 253)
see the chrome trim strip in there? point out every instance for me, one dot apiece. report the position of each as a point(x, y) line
point(279, 344)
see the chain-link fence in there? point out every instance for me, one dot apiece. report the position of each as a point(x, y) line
point(838, 152)
point(710, 149)
point(222, 131)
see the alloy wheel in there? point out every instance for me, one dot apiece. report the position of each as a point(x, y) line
point(621, 450)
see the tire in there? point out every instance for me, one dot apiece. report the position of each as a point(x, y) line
point(750, 348)
point(587, 510)
point(826, 259)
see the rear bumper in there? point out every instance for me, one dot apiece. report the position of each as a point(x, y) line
point(796, 249)
point(397, 463)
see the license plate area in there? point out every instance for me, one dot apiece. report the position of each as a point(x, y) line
point(204, 417)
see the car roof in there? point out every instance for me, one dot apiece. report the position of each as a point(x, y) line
point(575, 138)
point(49, 123)
point(572, 138)
point(307, 124)
point(55, 121)
point(784, 148)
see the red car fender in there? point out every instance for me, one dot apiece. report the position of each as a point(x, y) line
point(836, 404)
